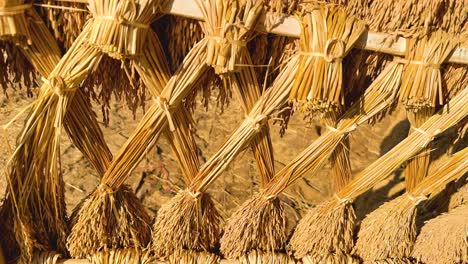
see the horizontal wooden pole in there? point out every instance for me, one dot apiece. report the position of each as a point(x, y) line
point(289, 26)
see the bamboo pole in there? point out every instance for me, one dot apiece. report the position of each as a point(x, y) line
point(289, 26)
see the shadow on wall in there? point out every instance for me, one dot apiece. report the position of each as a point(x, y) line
point(372, 199)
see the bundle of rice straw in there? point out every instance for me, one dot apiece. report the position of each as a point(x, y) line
point(44, 54)
point(331, 227)
point(328, 34)
point(253, 224)
point(191, 212)
point(444, 239)
point(422, 91)
point(155, 73)
point(388, 233)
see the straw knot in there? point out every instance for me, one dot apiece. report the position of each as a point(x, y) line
point(339, 53)
point(342, 200)
point(417, 199)
point(435, 66)
point(257, 121)
point(271, 197)
point(195, 195)
point(59, 85)
point(164, 105)
point(104, 188)
point(423, 132)
point(342, 131)
point(14, 10)
point(328, 55)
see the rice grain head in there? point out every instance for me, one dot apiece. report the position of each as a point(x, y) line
point(388, 232)
point(259, 224)
point(444, 239)
point(186, 223)
point(323, 230)
point(109, 220)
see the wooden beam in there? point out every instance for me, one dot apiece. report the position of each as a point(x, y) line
point(290, 27)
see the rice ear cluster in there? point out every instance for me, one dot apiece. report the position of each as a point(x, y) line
point(388, 232)
point(16, 71)
point(15, 35)
point(325, 230)
point(65, 22)
point(444, 239)
point(109, 220)
point(259, 225)
point(189, 222)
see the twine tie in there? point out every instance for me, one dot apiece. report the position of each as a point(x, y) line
point(435, 66)
point(423, 132)
point(417, 199)
point(195, 195)
point(327, 55)
point(105, 188)
point(342, 200)
point(342, 131)
point(58, 85)
point(164, 105)
point(256, 121)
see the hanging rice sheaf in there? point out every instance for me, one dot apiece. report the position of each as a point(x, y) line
point(389, 232)
point(443, 239)
point(44, 54)
point(70, 53)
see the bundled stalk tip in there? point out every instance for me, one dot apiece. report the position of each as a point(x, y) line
point(109, 220)
point(189, 222)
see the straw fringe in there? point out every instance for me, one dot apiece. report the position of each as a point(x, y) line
point(325, 230)
point(187, 222)
point(388, 232)
point(260, 224)
point(109, 220)
point(444, 239)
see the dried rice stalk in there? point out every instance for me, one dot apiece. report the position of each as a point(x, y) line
point(444, 239)
point(266, 233)
point(194, 257)
point(196, 227)
point(109, 210)
point(154, 72)
point(239, 228)
point(42, 131)
point(450, 115)
point(421, 92)
point(328, 34)
point(227, 35)
point(388, 233)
